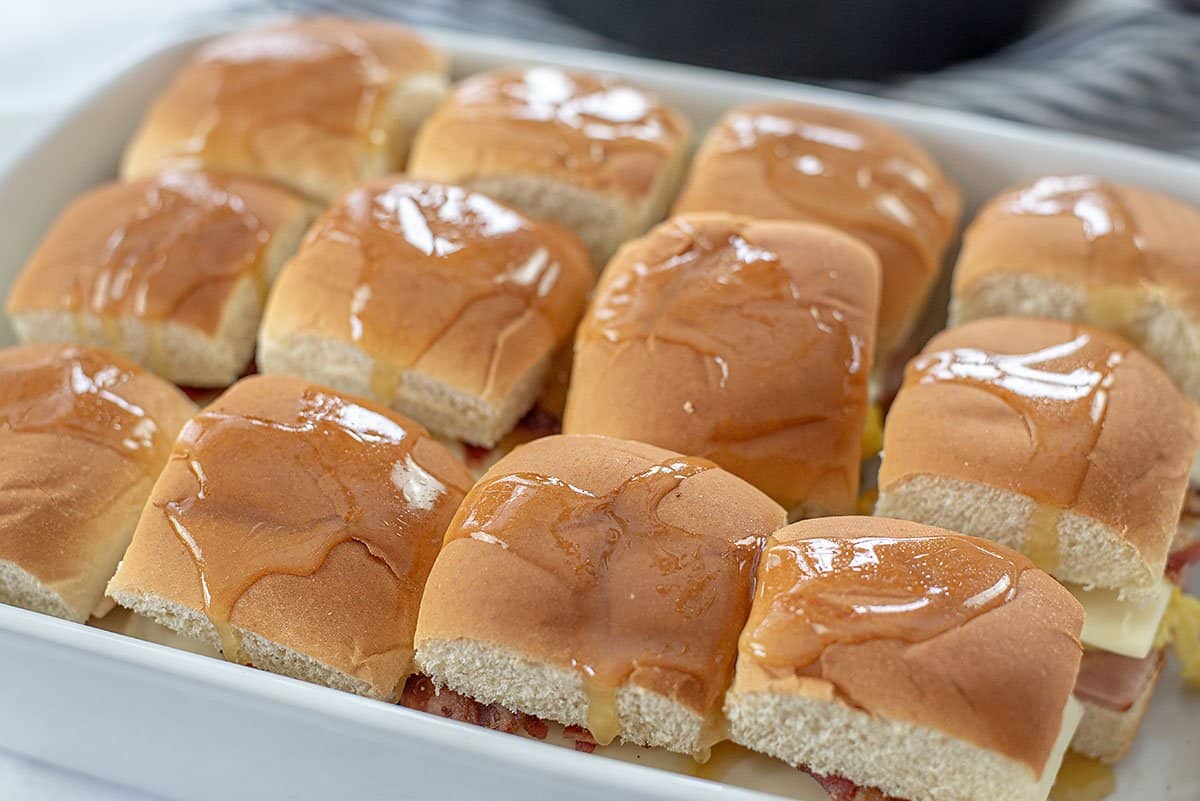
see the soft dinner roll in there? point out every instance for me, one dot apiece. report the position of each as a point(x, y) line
point(432, 299)
point(791, 161)
point(1079, 248)
point(599, 583)
point(318, 105)
point(745, 342)
point(83, 435)
point(171, 272)
point(293, 527)
point(915, 661)
point(1055, 439)
point(597, 155)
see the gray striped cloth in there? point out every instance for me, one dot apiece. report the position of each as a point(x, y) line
point(1128, 75)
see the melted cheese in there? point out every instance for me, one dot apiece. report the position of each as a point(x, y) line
point(1181, 628)
point(1121, 626)
point(1072, 714)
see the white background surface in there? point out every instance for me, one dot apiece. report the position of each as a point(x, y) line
point(51, 53)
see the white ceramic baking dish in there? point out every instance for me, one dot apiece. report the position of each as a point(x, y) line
point(190, 727)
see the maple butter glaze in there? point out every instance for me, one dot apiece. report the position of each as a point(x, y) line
point(263, 488)
point(82, 394)
point(800, 162)
point(453, 260)
point(815, 592)
point(645, 593)
point(591, 130)
point(685, 339)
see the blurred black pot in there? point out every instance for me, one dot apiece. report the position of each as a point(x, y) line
point(813, 38)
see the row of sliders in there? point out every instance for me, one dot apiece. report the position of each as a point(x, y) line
point(294, 521)
point(584, 580)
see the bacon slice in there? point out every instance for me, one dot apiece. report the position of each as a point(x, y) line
point(842, 789)
point(1113, 681)
point(421, 694)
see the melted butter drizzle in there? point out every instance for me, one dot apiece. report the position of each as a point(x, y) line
point(836, 173)
point(1113, 240)
point(1056, 391)
point(187, 233)
point(1083, 779)
point(76, 392)
point(364, 486)
point(665, 570)
point(818, 592)
point(417, 238)
point(350, 88)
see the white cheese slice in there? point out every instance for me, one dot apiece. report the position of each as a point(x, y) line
point(1072, 714)
point(1119, 626)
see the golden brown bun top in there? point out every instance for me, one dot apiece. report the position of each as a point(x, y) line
point(172, 247)
point(1069, 415)
point(625, 561)
point(745, 342)
point(262, 487)
point(300, 103)
point(918, 624)
point(79, 428)
point(1083, 230)
point(436, 278)
point(792, 161)
point(597, 132)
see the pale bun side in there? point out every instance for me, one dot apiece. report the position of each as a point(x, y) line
point(69, 504)
point(1108, 734)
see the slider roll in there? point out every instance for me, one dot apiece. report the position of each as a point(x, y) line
point(317, 105)
point(1056, 439)
point(171, 271)
point(83, 435)
point(293, 527)
point(599, 583)
point(432, 299)
point(791, 161)
point(596, 154)
point(920, 663)
point(746, 342)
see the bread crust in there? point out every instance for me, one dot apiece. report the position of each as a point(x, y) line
point(743, 341)
point(794, 161)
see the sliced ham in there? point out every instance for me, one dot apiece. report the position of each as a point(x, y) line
point(421, 694)
point(842, 789)
point(1113, 681)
